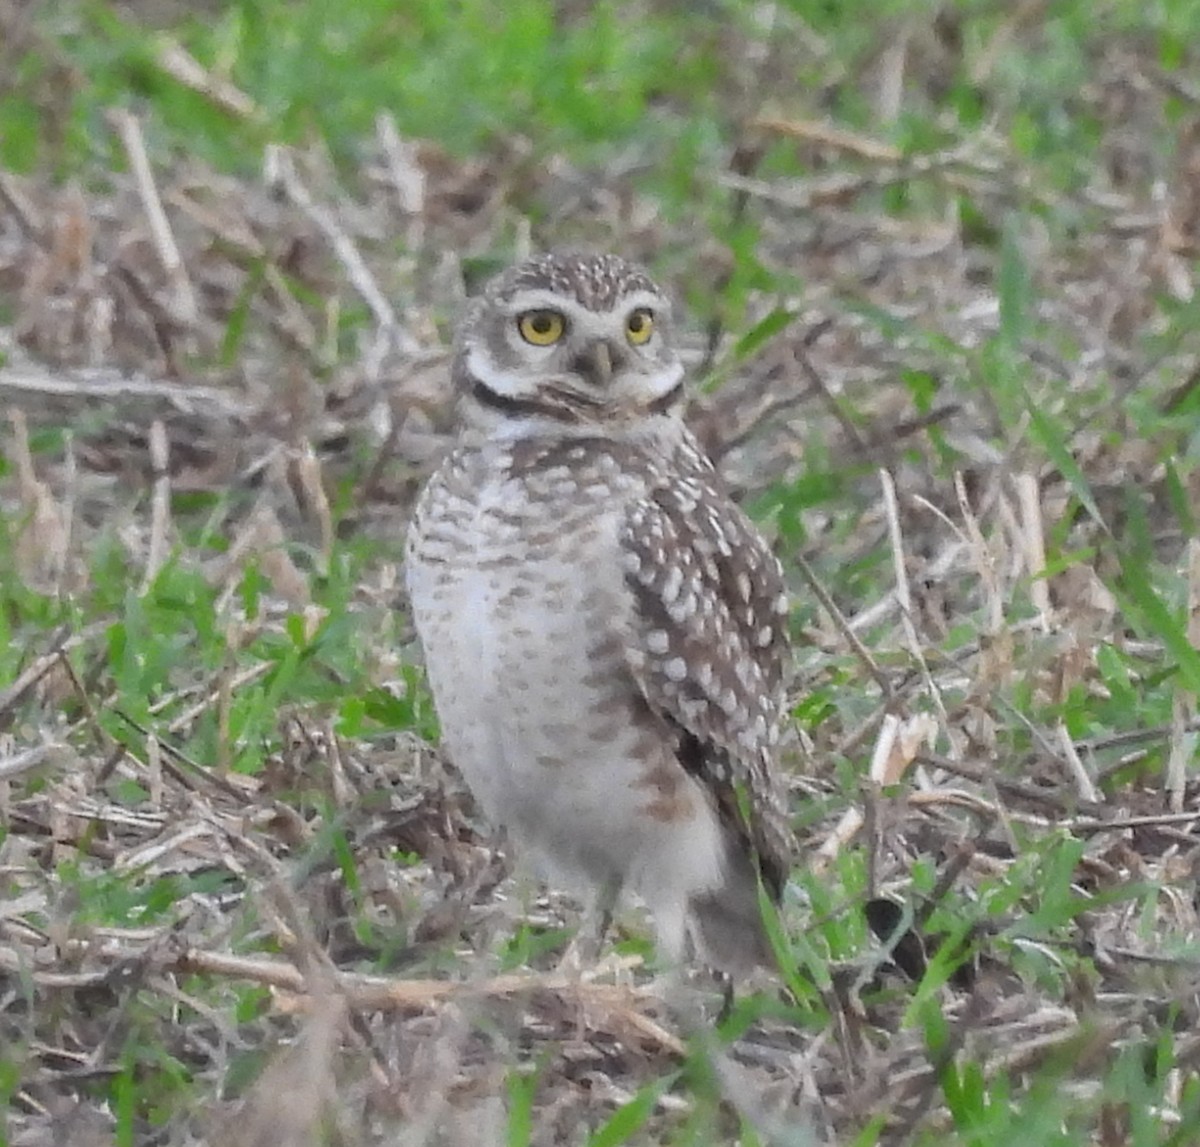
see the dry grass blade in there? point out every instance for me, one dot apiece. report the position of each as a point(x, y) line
point(102, 385)
point(130, 132)
point(904, 595)
point(611, 1004)
point(23, 762)
point(160, 512)
point(281, 168)
point(42, 539)
point(1183, 710)
point(177, 62)
point(831, 136)
point(843, 626)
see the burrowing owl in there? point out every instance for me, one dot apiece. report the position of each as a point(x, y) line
point(603, 628)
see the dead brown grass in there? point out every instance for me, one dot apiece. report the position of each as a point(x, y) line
point(125, 294)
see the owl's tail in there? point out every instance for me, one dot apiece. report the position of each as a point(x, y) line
point(726, 926)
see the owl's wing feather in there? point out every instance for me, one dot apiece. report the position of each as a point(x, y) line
point(711, 645)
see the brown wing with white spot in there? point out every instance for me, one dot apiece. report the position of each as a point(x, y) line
point(712, 643)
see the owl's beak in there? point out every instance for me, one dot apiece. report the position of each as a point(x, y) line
point(595, 363)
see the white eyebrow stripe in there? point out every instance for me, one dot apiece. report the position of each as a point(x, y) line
point(540, 299)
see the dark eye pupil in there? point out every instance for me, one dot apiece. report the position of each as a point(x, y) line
point(542, 324)
point(637, 323)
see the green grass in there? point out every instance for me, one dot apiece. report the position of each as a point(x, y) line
point(459, 74)
point(209, 700)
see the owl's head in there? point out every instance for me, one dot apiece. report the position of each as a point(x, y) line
point(572, 339)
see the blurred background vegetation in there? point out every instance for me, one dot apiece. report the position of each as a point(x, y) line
point(938, 263)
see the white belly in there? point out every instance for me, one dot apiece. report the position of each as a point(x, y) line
point(508, 635)
point(525, 620)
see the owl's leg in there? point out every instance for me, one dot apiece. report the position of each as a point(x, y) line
point(584, 949)
point(725, 980)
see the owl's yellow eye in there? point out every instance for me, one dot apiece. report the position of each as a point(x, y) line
point(639, 326)
point(542, 328)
